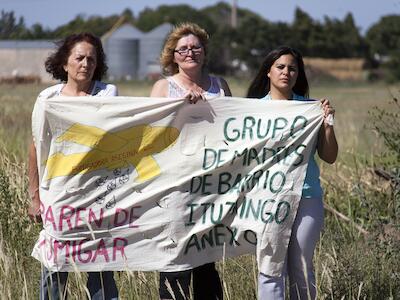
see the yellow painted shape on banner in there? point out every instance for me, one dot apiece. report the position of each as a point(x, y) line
point(90, 136)
point(132, 146)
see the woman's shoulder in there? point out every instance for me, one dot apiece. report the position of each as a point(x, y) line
point(163, 81)
point(160, 88)
point(104, 89)
point(51, 91)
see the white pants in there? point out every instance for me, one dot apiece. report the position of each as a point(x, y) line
point(298, 265)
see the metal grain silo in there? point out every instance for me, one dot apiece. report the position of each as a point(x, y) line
point(151, 45)
point(122, 47)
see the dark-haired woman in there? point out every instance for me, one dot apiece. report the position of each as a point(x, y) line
point(282, 77)
point(79, 63)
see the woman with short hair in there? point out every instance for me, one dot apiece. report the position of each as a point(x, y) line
point(79, 63)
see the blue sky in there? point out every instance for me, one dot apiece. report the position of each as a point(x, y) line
point(52, 13)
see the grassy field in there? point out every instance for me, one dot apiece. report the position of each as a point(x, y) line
point(349, 264)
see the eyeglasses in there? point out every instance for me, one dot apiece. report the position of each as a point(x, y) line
point(185, 51)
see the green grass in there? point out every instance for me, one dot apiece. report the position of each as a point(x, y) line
point(348, 265)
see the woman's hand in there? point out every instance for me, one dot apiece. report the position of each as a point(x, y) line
point(193, 96)
point(329, 112)
point(327, 145)
point(34, 212)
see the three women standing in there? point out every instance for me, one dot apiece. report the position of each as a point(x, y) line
point(79, 62)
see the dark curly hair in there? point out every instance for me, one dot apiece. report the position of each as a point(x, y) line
point(260, 86)
point(56, 61)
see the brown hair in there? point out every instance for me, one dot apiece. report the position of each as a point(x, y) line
point(56, 61)
point(167, 54)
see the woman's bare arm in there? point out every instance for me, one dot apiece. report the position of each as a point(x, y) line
point(33, 185)
point(160, 88)
point(327, 144)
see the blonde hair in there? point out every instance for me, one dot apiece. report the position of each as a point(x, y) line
point(167, 54)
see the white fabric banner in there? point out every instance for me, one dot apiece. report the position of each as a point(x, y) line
point(160, 184)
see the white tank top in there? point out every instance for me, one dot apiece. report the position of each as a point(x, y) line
point(177, 91)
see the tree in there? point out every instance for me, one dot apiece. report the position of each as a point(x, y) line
point(94, 24)
point(384, 42)
point(38, 32)
point(303, 27)
point(174, 14)
point(342, 38)
point(128, 15)
point(384, 36)
point(10, 28)
point(219, 13)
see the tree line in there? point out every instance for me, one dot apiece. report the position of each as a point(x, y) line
point(233, 50)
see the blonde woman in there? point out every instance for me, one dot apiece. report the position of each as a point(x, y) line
point(183, 60)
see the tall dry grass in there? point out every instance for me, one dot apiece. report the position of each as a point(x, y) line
point(342, 69)
point(16, 232)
